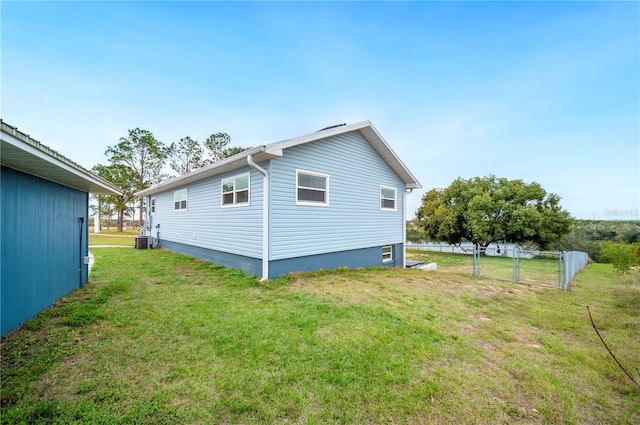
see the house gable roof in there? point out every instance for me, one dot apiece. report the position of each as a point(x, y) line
point(20, 152)
point(274, 150)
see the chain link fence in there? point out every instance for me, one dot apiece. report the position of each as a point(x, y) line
point(553, 269)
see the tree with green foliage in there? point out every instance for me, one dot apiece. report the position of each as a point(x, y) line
point(218, 147)
point(122, 177)
point(490, 209)
point(143, 156)
point(186, 156)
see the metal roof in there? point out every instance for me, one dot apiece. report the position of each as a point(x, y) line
point(23, 153)
point(274, 150)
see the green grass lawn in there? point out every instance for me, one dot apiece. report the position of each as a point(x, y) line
point(158, 338)
point(532, 270)
point(113, 237)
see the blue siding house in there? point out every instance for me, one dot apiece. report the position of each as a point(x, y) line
point(44, 201)
point(331, 199)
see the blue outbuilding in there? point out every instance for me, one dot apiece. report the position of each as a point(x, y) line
point(44, 200)
point(330, 199)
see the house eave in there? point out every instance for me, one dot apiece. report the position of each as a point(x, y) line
point(232, 163)
point(274, 150)
point(27, 155)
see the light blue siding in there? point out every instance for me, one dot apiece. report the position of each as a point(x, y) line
point(205, 224)
point(353, 219)
point(43, 243)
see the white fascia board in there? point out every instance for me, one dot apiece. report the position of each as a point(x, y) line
point(322, 134)
point(374, 138)
point(232, 163)
point(384, 150)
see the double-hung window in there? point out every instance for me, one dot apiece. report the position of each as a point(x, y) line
point(387, 198)
point(180, 200)
point(152, 207)
point(235, 191)
point(312, 188)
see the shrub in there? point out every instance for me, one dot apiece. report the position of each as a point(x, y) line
point(623, 256)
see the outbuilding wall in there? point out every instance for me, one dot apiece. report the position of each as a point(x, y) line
point(43, 229)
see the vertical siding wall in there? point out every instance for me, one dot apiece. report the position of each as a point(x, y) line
point(41, 247)
point(205, 224)
point(353, 219)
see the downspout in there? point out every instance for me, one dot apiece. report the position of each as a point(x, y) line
point(404, 227)
point(81, 250)
point(265, 216)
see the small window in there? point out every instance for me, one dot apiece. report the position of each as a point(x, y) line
point(153, 206)
point(387, 253)
point(312, 188)
point(180, 200)
point(387, 198)
point(235, 191)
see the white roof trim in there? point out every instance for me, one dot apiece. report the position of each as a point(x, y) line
point(20, 152)
point(226, 165)
point(274, 150)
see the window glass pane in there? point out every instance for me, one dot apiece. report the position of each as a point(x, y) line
point(242, 196)
point(388, 193)
point(311, 195)
point(227, 198)
point(315, 182)
point(388, 203)
point(242, 182)
point(227, 186)
point(183, 205)
point(176, 205)
point(180, 195)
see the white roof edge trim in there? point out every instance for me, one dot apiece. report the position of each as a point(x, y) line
point(366, 129)
point(414, 184)
point(33, 147)
point(408, 178)
point(321, 134)
point(202, 173)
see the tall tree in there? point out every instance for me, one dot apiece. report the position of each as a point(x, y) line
point(218, 147)
point(216, 144)
point(143, 155)
point(490, 209)
point(187, 155)
point(122, 177)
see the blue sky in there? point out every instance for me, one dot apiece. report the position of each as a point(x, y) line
point(541, 91)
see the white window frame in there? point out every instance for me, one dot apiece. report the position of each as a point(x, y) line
point(395, 198)
point(326, 190)
point(235, 192)
point(387, 257)
point(175, 195)
point(152, 206)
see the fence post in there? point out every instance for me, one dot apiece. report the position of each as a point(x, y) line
point(476, 260)
point(566, 277)
point(562, 271)
point(516, 266)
